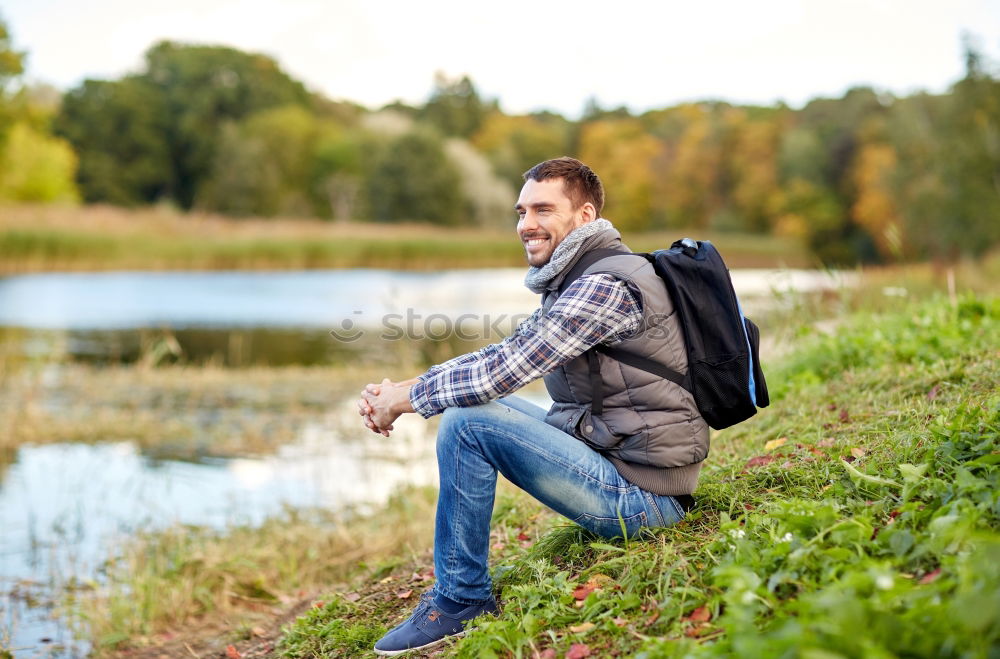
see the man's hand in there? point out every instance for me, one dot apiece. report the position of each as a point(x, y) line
point(381, 404)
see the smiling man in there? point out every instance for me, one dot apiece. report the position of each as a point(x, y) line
point(615, 462)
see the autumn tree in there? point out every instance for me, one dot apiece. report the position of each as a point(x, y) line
point(625, 155)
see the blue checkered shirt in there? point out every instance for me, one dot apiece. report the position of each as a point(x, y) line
point(594, 309)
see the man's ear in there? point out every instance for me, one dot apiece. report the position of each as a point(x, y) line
point(589, 212)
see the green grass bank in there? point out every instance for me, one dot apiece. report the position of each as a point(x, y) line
point(858, 516)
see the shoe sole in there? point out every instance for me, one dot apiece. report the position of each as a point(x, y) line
point(432, 644)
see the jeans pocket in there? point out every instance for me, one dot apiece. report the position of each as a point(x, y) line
point(611, 527)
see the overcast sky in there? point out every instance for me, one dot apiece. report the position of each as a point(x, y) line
point(533, 55)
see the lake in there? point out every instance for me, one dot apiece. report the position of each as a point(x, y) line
point(64, 505)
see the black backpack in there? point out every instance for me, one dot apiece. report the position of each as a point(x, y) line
point(724, 373)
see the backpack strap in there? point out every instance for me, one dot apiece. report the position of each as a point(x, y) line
point(645, 364)
point(632, 359)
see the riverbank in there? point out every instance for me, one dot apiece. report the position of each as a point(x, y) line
point(89, 238)
point(859, 512)
point(858, 515)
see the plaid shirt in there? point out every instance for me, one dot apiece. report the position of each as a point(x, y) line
point(594, 309)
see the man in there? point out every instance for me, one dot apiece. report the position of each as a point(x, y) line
point(613, 464)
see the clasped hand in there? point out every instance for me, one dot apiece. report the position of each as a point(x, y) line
point(381, 404)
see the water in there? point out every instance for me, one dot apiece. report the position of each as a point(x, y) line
point(63, 506)
point(280, 318)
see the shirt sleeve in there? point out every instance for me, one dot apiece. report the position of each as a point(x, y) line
point(594, 309)
point(483, 353)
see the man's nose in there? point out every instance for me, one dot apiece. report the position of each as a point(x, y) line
point(527, 222)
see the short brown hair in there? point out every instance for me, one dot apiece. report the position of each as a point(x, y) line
point(580, 183)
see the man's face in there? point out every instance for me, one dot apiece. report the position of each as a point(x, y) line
point(546, 216)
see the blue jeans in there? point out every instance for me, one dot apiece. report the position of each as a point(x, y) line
point(511, 436)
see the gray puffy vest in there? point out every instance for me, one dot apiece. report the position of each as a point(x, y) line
point(650, 428)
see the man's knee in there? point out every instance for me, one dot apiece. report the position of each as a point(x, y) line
point(459, 424)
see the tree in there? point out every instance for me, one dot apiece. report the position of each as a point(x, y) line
point(515, 143)
point(36, 167)
point(264, 165)
point(625, 156)
point(413, 180)
point(119, 130)
point(11, 68)
point(455, 107)
point(156, 134)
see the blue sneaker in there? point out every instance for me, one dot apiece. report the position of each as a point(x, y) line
point(428, 626)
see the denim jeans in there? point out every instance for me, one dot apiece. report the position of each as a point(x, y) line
point(511, 436)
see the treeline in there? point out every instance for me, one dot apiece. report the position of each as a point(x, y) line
point(866, 177)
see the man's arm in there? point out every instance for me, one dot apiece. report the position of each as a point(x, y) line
point(484, 352)
point(379, 413)
point(595, 309)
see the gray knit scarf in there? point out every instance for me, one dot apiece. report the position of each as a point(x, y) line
point(537, 279)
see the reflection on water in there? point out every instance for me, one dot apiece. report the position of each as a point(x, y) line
point(62, 506)
point(234, 346)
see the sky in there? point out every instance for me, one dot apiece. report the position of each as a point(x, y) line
point(551, 55)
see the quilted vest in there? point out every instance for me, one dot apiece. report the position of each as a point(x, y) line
point(650, 428)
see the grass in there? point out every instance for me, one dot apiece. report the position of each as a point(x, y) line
point(49, 238)
point(193, 578)
point(858, 516)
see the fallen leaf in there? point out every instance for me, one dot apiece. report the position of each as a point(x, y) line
point(932, 394)
point(579, 603)
point(258, 631)
point(849, 458)
point(619, 622)
point(844, 416)
point(600, 580)
point(858, 452)
point(232, 652)
point(498, 546)
point(387, 579)
point(352, 597)
point(775, 443)
point(701, 614)
point(787, 464)
point(653, 618)
point(586, 589)
point(831, 406)
point(930, 576)
point(548, 653)
point(319, 604)
point(523, 536)
point(698, 630)
point(404, 594)
point(582, 628)
point(759, 461)
point(816, 451)
point(578, 651)
point(825, 443)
